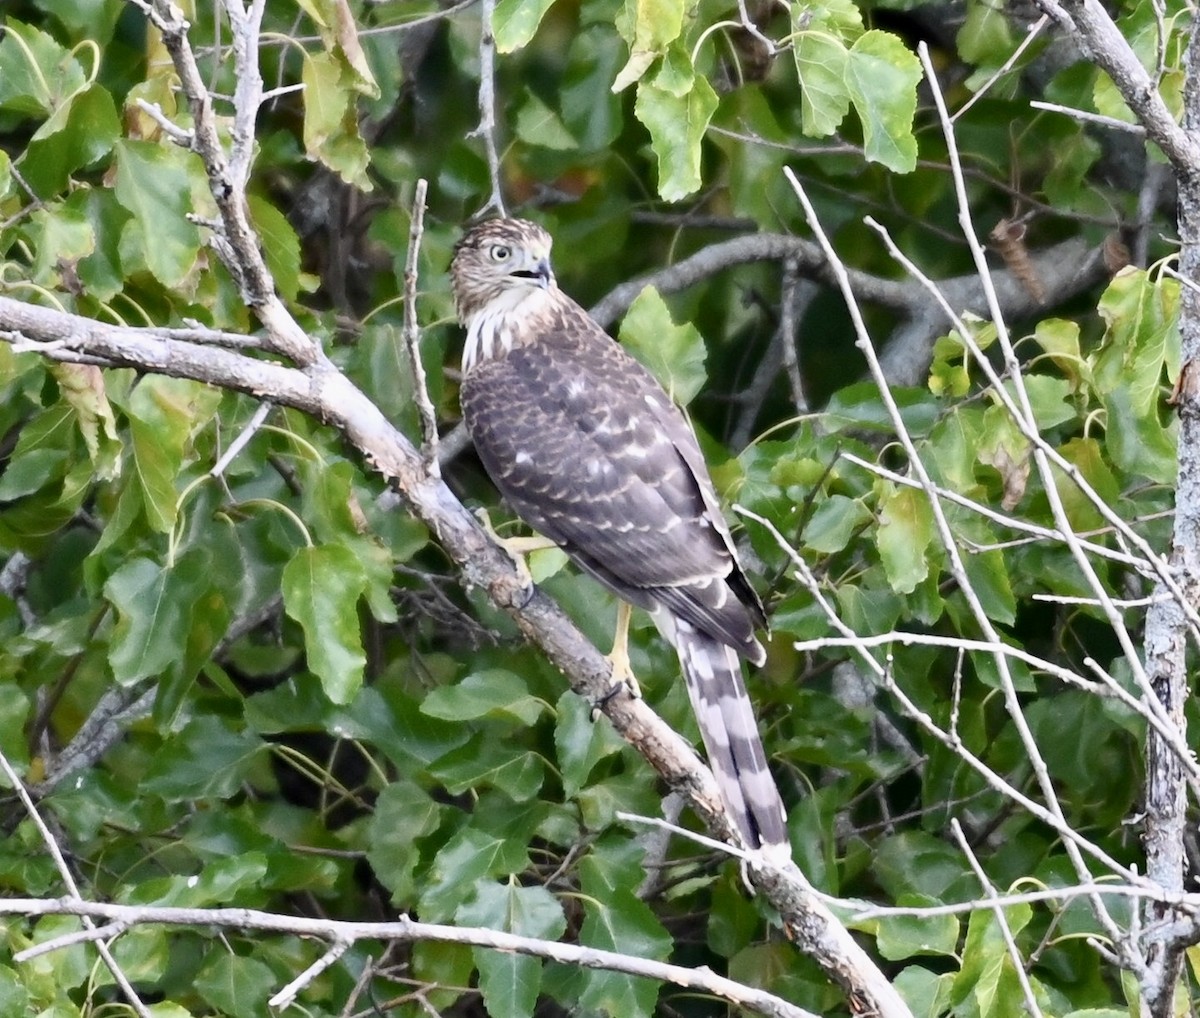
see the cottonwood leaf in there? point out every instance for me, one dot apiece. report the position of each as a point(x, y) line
point(677, 124)
point(903, 537)
point(882, 77)
point(510, 982)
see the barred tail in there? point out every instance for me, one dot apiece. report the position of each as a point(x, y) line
point(727, 724)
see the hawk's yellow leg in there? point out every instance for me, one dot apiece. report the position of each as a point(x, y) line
point(516, 547)
point(622, 671)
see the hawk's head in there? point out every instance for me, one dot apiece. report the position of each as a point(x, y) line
point(499, 258)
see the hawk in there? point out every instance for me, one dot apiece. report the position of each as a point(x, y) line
point(588, 449)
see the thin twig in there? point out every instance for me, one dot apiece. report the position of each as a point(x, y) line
point(487, 105)
point(412, 336)
point(1091, 118)
point(789, 337)
point(258, 419)
point(1033, 32)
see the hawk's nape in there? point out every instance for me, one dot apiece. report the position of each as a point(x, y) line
point(590, 451)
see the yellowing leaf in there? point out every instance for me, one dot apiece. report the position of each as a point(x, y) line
point(331, 121)
point(905, 533)
point(515, 22)
point(649, 26)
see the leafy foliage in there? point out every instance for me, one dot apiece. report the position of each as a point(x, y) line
point(338, 728)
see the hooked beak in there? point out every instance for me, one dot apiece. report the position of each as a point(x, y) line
point(540, 271)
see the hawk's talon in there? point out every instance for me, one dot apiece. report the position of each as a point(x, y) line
point(599, 704)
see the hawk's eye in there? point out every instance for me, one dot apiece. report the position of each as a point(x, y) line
point(500, 252)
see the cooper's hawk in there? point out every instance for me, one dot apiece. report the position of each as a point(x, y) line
point(590, 451)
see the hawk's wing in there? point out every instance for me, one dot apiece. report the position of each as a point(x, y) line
point(588, 450)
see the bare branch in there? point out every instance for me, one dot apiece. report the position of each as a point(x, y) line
point(487, 105)
point(412, 336)
point(237, 243)
point(341, 935)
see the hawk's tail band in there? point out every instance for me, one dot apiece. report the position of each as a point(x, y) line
point(730, 731)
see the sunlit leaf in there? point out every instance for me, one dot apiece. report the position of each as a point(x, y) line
point(905, 532)
point(675, 354)
point(881, 77)
point(515, 22)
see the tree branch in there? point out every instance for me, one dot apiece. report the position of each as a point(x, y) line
point(341, 934)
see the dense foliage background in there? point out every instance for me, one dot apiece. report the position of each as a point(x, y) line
point(265, 685)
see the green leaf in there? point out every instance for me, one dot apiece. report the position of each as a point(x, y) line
point(321, 587)
point(882, 77)
point(403, 813)
point(78, 133)
point(515, 22)
point(904, 936)
point(155, 608)
point(615, 919)
point(484, 762)
point(905, 533)
point(988, 575)
point(467, 858)
point(834, 523)
point(821, 59)
point(987, 977)
point(538, 124)
point(41, 456)
point(36, 74)
point(927, 993)
point(509, 981)
point(205, 760)
point(153, 184)
point(331, 134)
point(674, 354)
point(163, 414)
point(1141, 315)
point(677, 125)
point(62, 235)
point(395, 724)
point(580, 742)
point(492, 692)
point(1138, 444)
point(280, 245)
point(228, 982)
